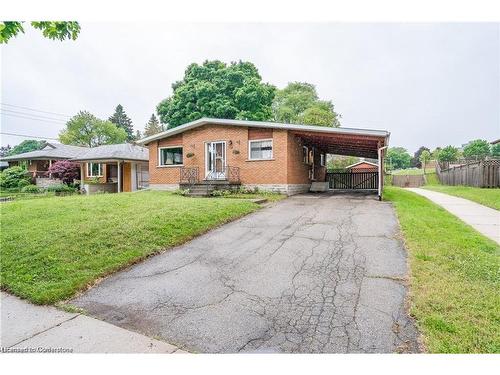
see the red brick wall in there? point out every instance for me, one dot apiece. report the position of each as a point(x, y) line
point(286, 167)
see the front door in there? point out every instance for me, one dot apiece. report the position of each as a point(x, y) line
point(216, 160)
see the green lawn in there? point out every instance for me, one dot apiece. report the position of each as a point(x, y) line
point(455, 277)
point(52, 248)
point(487, 197)
point(413, 171)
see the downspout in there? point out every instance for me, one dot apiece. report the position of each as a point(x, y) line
point(380, 174)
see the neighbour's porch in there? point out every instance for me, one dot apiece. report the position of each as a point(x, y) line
point(113, 176)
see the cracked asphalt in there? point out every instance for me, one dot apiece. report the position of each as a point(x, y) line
point(310, 274)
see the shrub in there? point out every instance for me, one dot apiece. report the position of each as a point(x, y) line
point(61, 189)
point(14, 177)
point(221, 193)
point(33, 189)
point(23, 183)
point(66, 170)
point(182, 192)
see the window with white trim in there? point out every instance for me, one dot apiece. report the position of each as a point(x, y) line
point(260, 149)
point(94, 170)
point(322, 160)
point(170, 156)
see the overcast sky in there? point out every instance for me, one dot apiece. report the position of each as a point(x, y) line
point(428, 84)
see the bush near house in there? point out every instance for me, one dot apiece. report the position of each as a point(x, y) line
point(65, 170)
point(14, 177)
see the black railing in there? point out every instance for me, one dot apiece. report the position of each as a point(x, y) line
point(227, 173)
point(189, 175)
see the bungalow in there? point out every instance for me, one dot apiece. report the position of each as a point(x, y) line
point(106, 168)
point(39, 161)
point(114, 168)
point(208, 153)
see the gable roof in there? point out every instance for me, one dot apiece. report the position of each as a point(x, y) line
point(262, 124)
point(50, 151)
point(122, 151)
point(361, 162)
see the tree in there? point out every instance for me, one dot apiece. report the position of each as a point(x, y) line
point(298, 103)
point(398, 158)
point(424, 158)
point(415, 161)
point(120, 119)
point(495, 150)
point(84, 129)
point(60, 30)
point(138, 135)
point(27, 146)
point(215, 89)
point(66, 170)
point(153, 126)
point(477, 149)
point(5, 150)
point(340, 161)
point(448, 154)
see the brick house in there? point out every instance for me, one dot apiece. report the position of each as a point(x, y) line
point(271, 156)
point(362, 166)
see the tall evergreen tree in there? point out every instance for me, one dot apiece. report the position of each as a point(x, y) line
point(121, 120)
point(153, 126)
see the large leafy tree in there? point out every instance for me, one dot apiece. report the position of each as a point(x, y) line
point(84, 129)
point(298, 103)
point(27, 146)
point(153, 126)
point(215, 89)
point(448, 154)
point(495, 150)
point(121, 120)
point(398, 158)
point(59, 30)
point(477, 149)
point(415, 161)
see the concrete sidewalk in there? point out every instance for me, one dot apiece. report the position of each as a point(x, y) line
point(484, 219)
point(39, 329)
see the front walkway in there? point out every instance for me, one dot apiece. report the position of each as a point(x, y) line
point(484, 219)
point(29, 328)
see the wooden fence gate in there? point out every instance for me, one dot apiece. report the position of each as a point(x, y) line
point(352, 180)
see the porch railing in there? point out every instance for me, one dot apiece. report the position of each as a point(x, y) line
point(189, 175)
point(227, 173)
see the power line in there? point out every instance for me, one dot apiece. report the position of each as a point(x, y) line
point(27, 136)
point(30, 114)
point(33, 118)
point(35, 110)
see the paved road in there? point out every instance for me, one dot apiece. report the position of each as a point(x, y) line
point(312, 273)
point(484, 219)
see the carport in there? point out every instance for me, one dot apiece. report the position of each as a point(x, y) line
point(365, 143)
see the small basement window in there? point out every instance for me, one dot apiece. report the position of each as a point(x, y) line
point(261, 149)
point(94, 170)
point(170, 156)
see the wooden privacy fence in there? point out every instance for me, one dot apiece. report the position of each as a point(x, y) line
point(353, 180)
point(485, 174)
point(408, 180)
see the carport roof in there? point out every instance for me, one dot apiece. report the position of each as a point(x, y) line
point(342, 141)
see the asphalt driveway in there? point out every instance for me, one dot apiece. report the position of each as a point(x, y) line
point(313, 273)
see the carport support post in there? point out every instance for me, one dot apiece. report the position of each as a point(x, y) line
point(380, 171)
point(119, 177)
point(82, 176)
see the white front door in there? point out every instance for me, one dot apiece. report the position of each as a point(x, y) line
point(215, 160)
